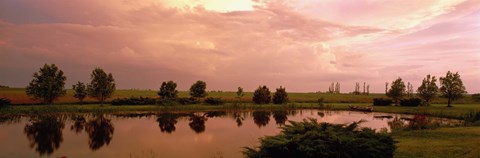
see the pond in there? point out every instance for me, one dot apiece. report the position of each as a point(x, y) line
point(193, 134)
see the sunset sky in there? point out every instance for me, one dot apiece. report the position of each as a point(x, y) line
point(303, 45)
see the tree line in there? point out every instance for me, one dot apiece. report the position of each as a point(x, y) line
point(49, 83)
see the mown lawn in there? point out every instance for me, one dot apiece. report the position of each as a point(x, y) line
point(462, 142)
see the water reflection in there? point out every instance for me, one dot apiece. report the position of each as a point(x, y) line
point(261, 118)
point(100, 132)
point(197, 123)
point(167, 122)
point(45, 133)
point(280, 116)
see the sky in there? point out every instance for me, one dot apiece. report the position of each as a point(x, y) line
point(302, 45)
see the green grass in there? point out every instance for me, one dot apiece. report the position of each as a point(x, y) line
point(439, 143)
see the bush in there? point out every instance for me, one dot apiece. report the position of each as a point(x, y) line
point(187, 101)
point(262, 95)
point(214, 101)
point(382, 102)
point(312, 139)
point(411, 102)
point(134, 101)
point(4, 102)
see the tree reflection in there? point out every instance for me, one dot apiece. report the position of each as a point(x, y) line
point(78, 124)
point(261, 118)
point(238, 118)
point(197, 123)
point(45, 133)
point(167, 122)
point(100, 132)
point(280, 116)
point(212, 114)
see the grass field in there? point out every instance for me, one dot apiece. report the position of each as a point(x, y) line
point(18, 96)
point(461, 142)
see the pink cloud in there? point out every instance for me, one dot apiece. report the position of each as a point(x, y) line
point(145, 42)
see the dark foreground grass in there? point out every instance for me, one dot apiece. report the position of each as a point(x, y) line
point(461, 142)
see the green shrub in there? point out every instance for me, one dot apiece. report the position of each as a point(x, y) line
point(411, 102)
point(214, 101)
point(187, 101)
point(382, 102)
point(472, 118)
point(134, 101)
point(4, 102)
point(323, 140)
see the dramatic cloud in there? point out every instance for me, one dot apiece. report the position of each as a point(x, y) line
point(302, 45)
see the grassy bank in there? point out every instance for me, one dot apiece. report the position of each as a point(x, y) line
point(462, 142)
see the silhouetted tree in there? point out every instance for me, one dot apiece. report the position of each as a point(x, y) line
point(428, 90)
point(280, 96)
point(198, 89)
point(168, 90)
point(261, 118)
point(45, 133)
point(100, 132)
point(102, 85)
point(452, 87)
point(240, 93)
point(79, 91)
point(47, 84)
point(397, 91)
point(262, 95)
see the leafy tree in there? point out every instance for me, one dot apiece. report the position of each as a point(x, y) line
point(452, 87)
point(240, 93)
point(102, 85)
point(198, 89)
point(168, 90)
point(397, 90)
point(47, 84)
point(262, 95)
point(428, 90)
point(79, 91)
point(309, 139)
point(280, 96)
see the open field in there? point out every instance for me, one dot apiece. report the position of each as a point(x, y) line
point(18, 96)
point(462, 142)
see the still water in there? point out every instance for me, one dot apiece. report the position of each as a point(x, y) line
point(197, 134)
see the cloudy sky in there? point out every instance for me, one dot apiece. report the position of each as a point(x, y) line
point(303, 45)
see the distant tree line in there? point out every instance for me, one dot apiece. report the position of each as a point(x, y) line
point(49, 83)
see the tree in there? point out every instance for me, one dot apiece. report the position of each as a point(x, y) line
point(428, 90)
point(197, 90)
point(47, 84)
point(168, 90)
point(280, 96)
point(397, 90)
point(102, 85)
point(79, 91)
point(452, 87)
point(240, 93)
point(262, 95)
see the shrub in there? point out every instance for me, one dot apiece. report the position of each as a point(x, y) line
point(262, 95)
point(134, 101)
point(4, 102)
point(186, 101)
point(382, 102)
point(312, 139)
point(280, 96)
point(411, 102)
point(472, 118)
point(214, 101)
